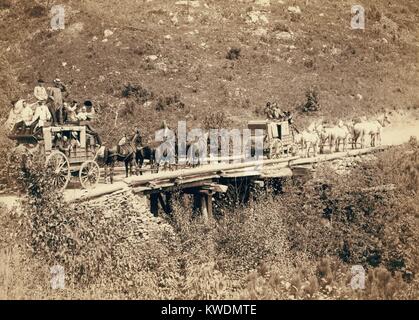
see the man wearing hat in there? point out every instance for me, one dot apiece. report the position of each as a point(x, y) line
point(64, 145)
point(71, 111)
point(15, 116)
point(40, 92)
point(50, 105)
point(42, 114)
point(56, 92)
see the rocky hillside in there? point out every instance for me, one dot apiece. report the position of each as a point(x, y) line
point(185, 59)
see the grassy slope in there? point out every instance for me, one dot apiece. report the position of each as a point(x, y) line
point(327, 54)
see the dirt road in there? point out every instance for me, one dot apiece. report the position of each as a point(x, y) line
point(402, 127)
point(399, 132)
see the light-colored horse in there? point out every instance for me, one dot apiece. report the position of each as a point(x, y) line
point(325, 136)
point(308, 140)
point(340, 135)
point(334, 136)
point(197, 151)
point(372, 128)
point(165, 155)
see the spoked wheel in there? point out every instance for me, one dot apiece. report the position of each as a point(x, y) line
point(276, 149)
point(89, 174)
point(293, 149)
point(58, 167)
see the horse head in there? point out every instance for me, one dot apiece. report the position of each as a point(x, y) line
point(384, 119)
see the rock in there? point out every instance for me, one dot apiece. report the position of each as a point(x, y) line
point(295, 10)
point(147, 104)
point(190, 19)
point(94, 38)
point(174, 20)
point(161, 66)
point(256, 17)
point(105, 40)
point(263, 3)
point(168, 37)
point(284, 35)
point(73, 30)
point(108, 33)
point(194, 4)
point(359, 96)
point(152, 58)
point(260, 32)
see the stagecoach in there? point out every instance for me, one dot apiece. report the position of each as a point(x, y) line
point(61, 165)
point(278, 137)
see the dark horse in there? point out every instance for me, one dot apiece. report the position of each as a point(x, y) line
point(143, 153)
point(109, 156)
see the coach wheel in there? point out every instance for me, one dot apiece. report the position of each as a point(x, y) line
point(58, 168)
point(89, 174)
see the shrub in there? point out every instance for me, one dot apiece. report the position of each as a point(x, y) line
point(233, 54)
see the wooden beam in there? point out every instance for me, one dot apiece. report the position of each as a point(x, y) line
point(154, 204)
point(216, 187)
point(209, 205)
point(336, 155)
point(204, 208)
point(284, 172)
point(205, 169)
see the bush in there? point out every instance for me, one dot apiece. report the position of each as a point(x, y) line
point(300, 245)
point(233, 54)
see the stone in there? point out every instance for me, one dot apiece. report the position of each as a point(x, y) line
point(260, 32)
point(161, 66)
point(284, 35)
point(174, 20)
point(294, 9)
point(263, 3)
point(256, 17)
point(194, 4)
point(152, 57)
point(108, 33)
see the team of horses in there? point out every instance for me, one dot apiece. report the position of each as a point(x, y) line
point(319, 135)
point(133, 154)
point(310, 141)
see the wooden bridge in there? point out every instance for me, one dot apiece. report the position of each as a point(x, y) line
point(204, 181)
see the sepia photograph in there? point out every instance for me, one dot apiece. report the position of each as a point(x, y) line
point(209, 155)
